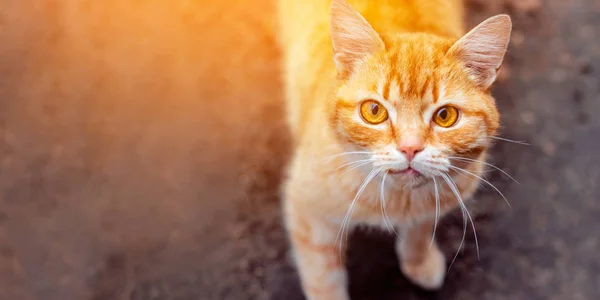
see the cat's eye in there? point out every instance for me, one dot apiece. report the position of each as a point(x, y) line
point(373, 112)
point(446, 116)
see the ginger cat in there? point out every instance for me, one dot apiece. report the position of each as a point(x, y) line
point(392, 115)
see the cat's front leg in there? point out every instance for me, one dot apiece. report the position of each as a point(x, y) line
point(420, 259)
point(318, 258)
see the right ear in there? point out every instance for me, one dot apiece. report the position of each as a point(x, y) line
point(352, 36)
point(482, 49)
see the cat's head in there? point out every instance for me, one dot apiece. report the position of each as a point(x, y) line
point(415, 103)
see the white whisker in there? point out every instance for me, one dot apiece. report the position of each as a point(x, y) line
point(510, 141)
point(478, 182)
point(354, 162)
point(481, 178)
point(329, 158)
point(358, 163)
point(436, 167)
point(485, 163)
point(437, 210)
point(465, 211)
point(386, 219)
point(346, 221)
point(446, 179)
point(355, 166)
point(469, 215)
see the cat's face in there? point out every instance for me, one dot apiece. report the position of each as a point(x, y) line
point(416, 105)
point(413, 110)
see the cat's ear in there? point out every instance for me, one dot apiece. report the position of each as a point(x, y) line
point(352, 36)
point(482, 49)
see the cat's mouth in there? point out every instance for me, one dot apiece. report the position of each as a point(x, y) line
point(407, 172)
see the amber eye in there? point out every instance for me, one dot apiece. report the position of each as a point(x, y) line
point(446, 116)
point(373, 112)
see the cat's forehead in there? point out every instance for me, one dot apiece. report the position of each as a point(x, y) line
point(410, 70)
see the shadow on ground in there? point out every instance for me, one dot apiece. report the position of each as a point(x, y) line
point(142, 144)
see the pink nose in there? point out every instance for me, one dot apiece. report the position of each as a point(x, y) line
point(410, 146)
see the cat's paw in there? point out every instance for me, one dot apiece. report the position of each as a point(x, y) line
point(428, 274)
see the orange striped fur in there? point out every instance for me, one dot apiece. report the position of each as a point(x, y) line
point(412, 57)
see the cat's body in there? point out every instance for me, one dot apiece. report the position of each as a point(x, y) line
point(373, 97)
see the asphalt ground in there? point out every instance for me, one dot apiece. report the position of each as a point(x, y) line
point(142, 146)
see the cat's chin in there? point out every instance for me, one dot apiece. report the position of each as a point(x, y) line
point(408, 172)
point(408, 177)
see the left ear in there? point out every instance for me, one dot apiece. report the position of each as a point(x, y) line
point(352, 36)
point(482, 49)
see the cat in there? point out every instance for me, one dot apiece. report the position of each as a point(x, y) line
point(391, 116)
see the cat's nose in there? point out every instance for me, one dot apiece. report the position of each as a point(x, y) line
point(410, 146)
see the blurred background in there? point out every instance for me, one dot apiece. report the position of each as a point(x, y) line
point(142, 145)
